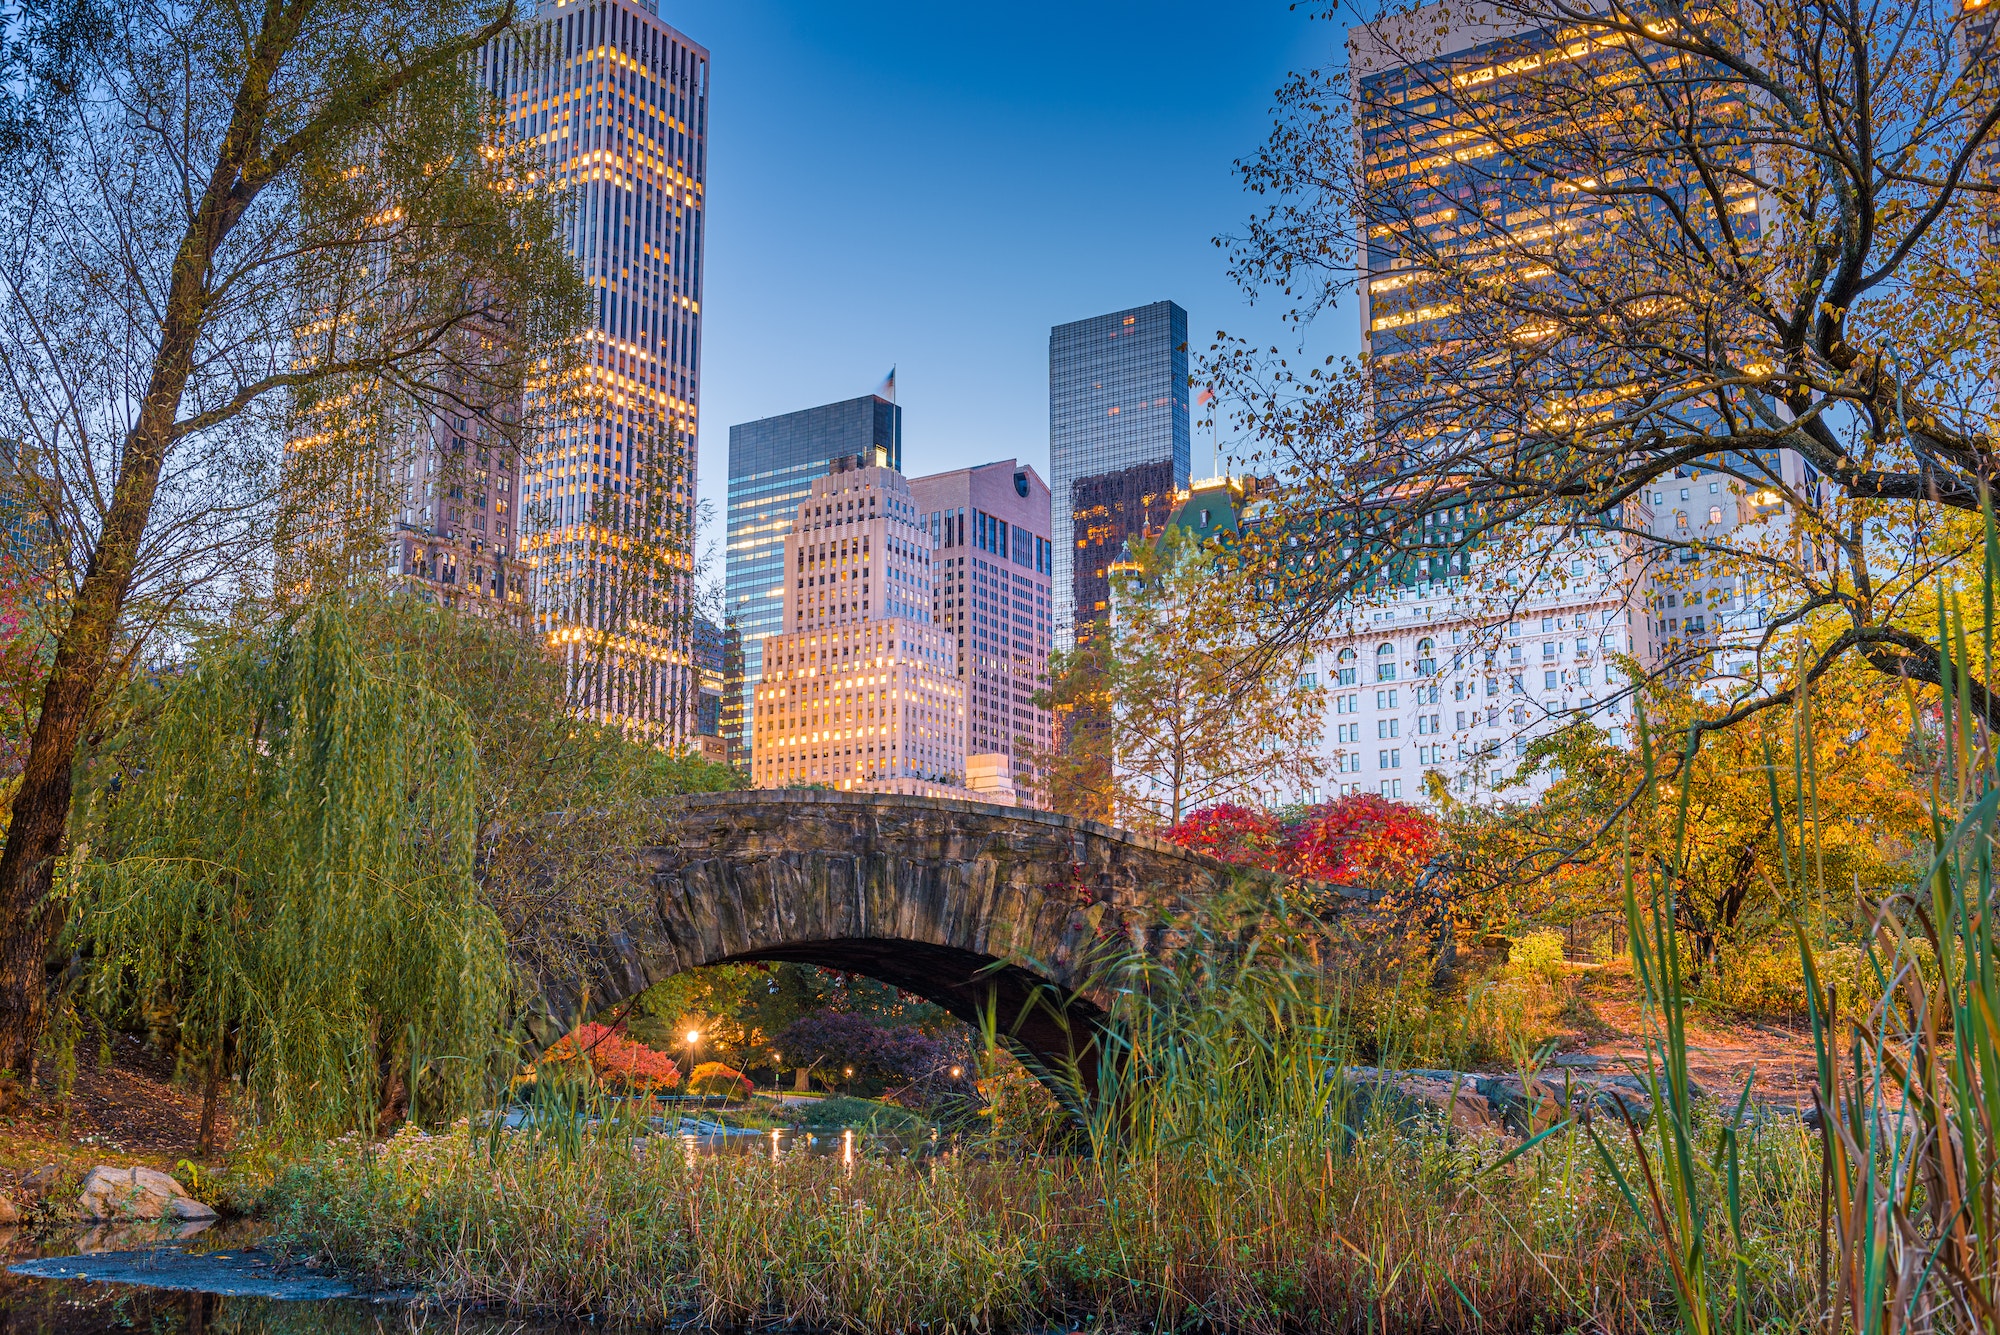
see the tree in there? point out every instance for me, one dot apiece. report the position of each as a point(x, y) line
point(1197, 714)
point(846, 1049)
point(562, 803)
point(246, 218)
point(1745, 246)
point(1788, 818)
point(287, 880)
point(1074, 773)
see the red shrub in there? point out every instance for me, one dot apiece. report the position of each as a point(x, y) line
point(1361, 839)
point(615, 1059)
point(1243, 835)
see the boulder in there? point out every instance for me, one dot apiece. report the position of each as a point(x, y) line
point(137, 1193)
point(10, 1214)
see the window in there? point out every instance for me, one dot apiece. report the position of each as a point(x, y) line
point(1520, 715)
point(1346, 704)
point(1392, 788)
point(1385, 663)
point(1493, 686)
point(1548, 681)
point(1513, 653)
point(1583, 676)
point(1344, 672)
point(1520, 746)
point(1426, 658)
point(1715, 514)
point(1388, 727)
point(1461, 719)
point(1308, 681)
point(1548, 649)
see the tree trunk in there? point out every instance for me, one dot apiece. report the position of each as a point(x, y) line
point(28, 921)
point(211, 1094)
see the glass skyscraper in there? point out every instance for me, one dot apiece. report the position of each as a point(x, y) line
point(772, 466)
point(615, 104)
point(1118, 397)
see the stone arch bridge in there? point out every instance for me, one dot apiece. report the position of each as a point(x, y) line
point(965, 904)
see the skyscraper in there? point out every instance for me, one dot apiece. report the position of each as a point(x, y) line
point(992, 592)
point(615, 102)
point(773, 463)
point(1118, 397)
point(860, 691)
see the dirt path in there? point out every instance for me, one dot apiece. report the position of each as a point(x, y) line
point(1722, 1053)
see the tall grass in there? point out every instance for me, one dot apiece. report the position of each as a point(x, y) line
point(1226, 1179)
point(1908, 1081)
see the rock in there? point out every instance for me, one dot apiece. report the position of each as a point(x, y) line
point(9, 1213)
point(1406, 1097)
point(137, 1193)
point(38, 1183)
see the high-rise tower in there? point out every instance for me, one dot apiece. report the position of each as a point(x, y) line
point(1118, 397)
point(990, 590)
point(615, 102)
point(860, 690)
point(773, 463)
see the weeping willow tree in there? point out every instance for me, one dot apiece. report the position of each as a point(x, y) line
point(288, 882)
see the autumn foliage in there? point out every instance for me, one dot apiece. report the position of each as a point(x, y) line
point(1233, 833)
point(1361, 839)
point(614, 1059)
point(716, 1078)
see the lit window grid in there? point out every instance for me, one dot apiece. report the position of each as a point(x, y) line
point(614, 104)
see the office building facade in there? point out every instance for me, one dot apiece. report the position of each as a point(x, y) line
point(859, 690)
point(613, 103)
point(453, 538)
point(1108, 513)
point(993, 564)
point(773, 463)
point(1118, 399)
point(1490, 651)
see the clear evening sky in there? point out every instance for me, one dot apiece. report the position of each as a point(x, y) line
point(932, 185)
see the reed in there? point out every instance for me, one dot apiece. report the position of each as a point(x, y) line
point(1226, 1181)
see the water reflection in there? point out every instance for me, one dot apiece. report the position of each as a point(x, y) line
point(31, 1305)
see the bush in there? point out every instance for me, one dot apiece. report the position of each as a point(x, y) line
point(841, 1111)
point(712, 1078)
point(617, 1061)
point(1538, 953)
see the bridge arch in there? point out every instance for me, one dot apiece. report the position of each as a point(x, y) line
point(962, 903)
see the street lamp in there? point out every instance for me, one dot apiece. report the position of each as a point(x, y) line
point(693, 1037)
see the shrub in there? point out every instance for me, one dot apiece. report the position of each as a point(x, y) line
point(1538, 953)
point(1359, 839)
point(711, 1078)
point(1239, 834)
point(615, 1060)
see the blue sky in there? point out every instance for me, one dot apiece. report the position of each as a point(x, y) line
point(933, 185)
